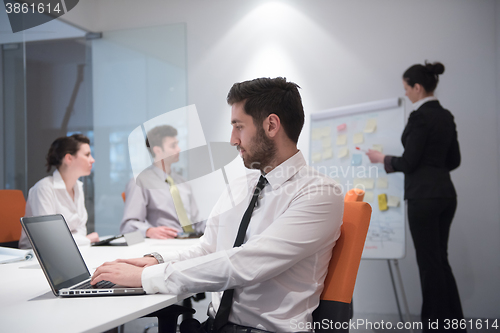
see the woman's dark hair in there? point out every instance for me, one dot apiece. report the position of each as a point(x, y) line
point(426, 75)
point(62, 146)
point(267, 96)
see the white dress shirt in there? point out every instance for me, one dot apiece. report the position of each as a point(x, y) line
point(278, 272)
point(49, 196)
point(422, 101)
point(149, 203)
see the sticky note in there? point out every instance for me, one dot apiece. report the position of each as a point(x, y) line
point(358, 138)
point(393, 201)
point(325, 131)
point(379, 148)
point(341, 140)
point(316, 134)
point(356, 159)
point(326, 142)
point(341, 127)
point(382, 202)
point(343, 152)
point(327, 153)
point(368, 196)
point(364, 183)
point(371, 126)
point(382, 182)
point(316, 157)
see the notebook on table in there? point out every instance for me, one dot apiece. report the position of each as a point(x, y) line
point(62, 262)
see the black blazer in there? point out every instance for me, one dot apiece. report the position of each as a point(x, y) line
point(431, 152)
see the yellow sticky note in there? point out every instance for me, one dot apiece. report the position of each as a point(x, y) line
point(393, 201)
point(316, 134)
point(371, 126)
point(341, 140)
point(382, 182)
point(364, 183)
point(379, 148)
point(382, 202)
point(316, 157)
point(325, 131)
point(326, 142)
point(327, 153)
point(358, 138)
point(343, 152)
point(368, 196)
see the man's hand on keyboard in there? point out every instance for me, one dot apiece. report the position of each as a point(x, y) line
point(119, 273)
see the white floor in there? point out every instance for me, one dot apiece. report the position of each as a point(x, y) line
point(361, 323)
point(373, 323)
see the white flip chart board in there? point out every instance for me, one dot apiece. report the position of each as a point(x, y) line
point(335, 134)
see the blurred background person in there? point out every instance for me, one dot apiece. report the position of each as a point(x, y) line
point(154, 204)
point(62, 192)
point(431, 151)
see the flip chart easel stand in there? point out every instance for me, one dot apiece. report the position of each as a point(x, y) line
point(403, 294)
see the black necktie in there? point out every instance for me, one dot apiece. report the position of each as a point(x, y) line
point(222, 316)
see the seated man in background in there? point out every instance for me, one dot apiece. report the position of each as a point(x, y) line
point(155, 204)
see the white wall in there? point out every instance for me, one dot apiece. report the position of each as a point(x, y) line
point(345, 52)
point(497, 5)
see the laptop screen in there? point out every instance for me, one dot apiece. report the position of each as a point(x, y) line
point(56, 250)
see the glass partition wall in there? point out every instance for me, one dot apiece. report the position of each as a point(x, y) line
point(137, 75)
point(13, 153)
point(63, 80)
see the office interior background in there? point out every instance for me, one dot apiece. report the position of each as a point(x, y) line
point(108, 66)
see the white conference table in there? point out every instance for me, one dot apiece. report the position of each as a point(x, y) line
point(27, 303)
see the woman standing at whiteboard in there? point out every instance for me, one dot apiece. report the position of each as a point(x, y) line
point(62, 192)
point(431, 151)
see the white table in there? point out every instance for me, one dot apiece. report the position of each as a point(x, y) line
point(27, 303)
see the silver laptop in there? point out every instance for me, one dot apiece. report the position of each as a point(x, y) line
point(62, 261)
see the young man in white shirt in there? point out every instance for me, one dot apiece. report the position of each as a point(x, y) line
point(277, 274)
point(149, 205)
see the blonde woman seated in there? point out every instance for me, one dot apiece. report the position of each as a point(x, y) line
point(62, 192)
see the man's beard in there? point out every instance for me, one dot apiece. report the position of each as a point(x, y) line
point(263, 151)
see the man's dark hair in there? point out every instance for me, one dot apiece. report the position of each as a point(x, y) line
point(266, 96)
point(156, 135)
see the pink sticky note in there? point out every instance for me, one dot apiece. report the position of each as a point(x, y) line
point(341, 127)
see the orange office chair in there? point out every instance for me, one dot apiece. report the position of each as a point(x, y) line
point(12, 207)
point(123, 196)
point(336, 298)
point(354, 194)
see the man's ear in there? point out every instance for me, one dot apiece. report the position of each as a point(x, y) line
point(157, 151)
point(272, 124)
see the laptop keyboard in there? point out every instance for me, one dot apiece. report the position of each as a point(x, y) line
point(98, 285)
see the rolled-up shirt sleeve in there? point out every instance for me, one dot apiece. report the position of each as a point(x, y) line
point(310, 224)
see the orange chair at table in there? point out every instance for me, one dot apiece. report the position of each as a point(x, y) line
point(334, 307)
point(12, 207)
point(354, 194)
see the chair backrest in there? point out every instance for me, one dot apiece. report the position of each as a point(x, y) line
point(354, 194)
point(123, 196)
point(343, 268)
point(12, 208)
